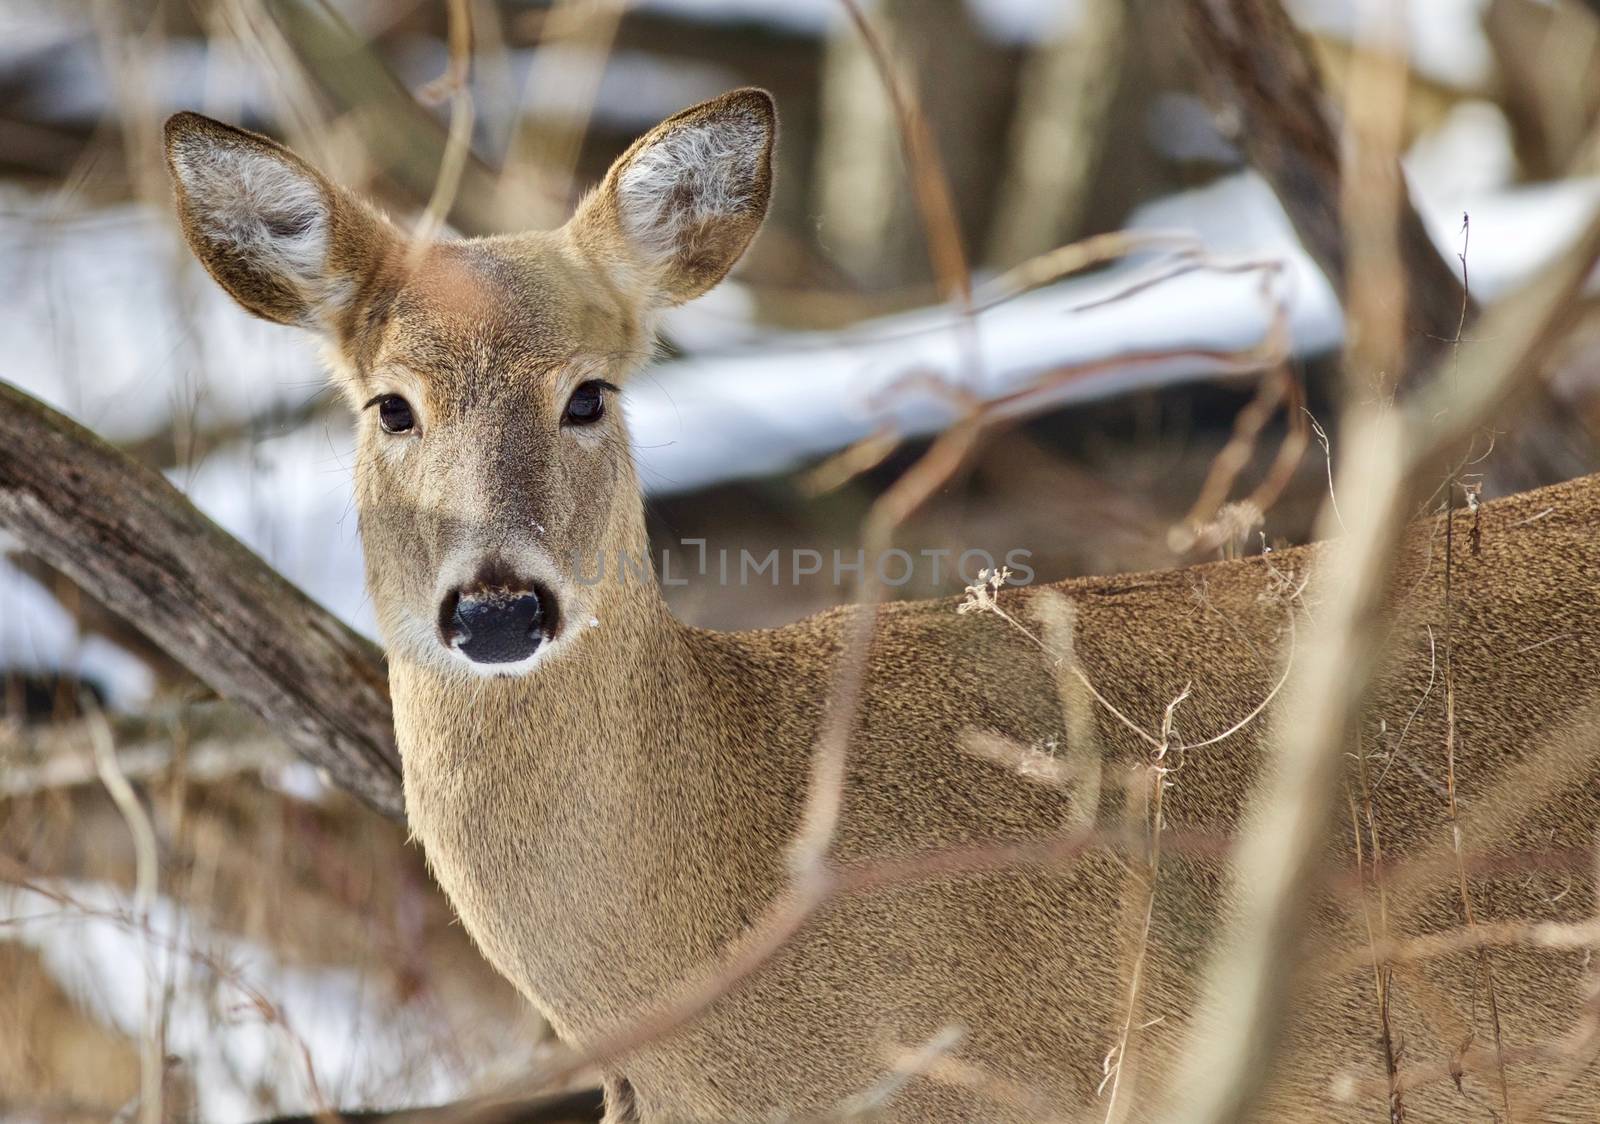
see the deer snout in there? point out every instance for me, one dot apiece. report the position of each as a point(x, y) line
point(497, 623)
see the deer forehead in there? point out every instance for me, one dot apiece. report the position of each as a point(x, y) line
point(514, 313)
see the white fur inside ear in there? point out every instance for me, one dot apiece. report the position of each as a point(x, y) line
point(265, 211)
point(691, 176)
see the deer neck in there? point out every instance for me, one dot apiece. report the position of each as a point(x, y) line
point(572, 800)
point(616, 667)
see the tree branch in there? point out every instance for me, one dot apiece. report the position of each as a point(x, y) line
point(1258, 67)
point(402, 136)
point(132, 540)
point(581, 1107)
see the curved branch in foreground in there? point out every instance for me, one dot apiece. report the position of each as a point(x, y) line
point(581, 1107)
point(135, 543)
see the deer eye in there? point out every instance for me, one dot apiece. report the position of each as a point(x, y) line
point(587, 404)
point(394, 414)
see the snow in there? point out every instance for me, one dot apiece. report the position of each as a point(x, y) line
point(635, 90)
point(1005, 21)
point(785, 400)
point(291, 500)
point(1445, 37)
point(365, 1047)
point(1467, 156)
point(38, 635)
point(108, 321)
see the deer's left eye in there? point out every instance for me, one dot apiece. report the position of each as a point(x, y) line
point(394, 413)
point(587, 404)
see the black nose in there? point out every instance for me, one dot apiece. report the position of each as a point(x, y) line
point(496, 625)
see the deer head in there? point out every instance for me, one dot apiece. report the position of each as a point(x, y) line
point(492, 457)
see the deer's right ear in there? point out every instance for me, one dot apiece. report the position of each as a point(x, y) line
point(281, 239)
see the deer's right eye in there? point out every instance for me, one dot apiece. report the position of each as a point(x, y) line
point(394, 414)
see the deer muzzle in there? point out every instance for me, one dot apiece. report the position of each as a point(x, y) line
point(497, 624)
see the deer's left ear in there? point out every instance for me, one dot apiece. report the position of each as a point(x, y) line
point(684, 201)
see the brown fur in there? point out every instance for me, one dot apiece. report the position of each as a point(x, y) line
point(613, 821)
point(58, 1054)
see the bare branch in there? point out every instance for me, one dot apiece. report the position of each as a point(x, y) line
point(400, 133)
point(581, 1107)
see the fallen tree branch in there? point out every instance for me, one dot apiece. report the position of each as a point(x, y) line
point(1257, 66)
point(131, 539)
point(582, 1107)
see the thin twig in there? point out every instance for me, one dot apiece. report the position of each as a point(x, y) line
point(458, 141)
point(147, 866)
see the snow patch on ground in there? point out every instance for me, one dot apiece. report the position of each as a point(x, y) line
point(1445, 38)
point(110, 319)
point(291, 499)
point(355, 1036)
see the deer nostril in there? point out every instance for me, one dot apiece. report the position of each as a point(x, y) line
point(452, 629)
point(489, 625)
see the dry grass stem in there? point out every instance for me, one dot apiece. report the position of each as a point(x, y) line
point(1057, 617)
point(579, 29)
point(1374, 198)
point(255, 999)
point(929, 182)
point(1203, 528)
point(1075, 257)
point(1120, 1061)
point(905, 1066)
point(850, 462)
point(1282, 851)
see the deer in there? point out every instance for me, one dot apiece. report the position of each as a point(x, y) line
point(610, 797)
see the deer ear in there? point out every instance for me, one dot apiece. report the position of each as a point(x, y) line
point(283, 241)
point(685, 200)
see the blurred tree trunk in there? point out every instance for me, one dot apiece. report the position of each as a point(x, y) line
point(1069, 92)
point(964, 84)
point(1262, 76)
point(1548, 57)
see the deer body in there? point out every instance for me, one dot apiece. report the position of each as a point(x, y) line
point(670, 845)
point(610, 806)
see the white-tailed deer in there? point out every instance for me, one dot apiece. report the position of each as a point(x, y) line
point(609, 796)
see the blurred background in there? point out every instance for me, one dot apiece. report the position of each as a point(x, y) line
point(1159, 407)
